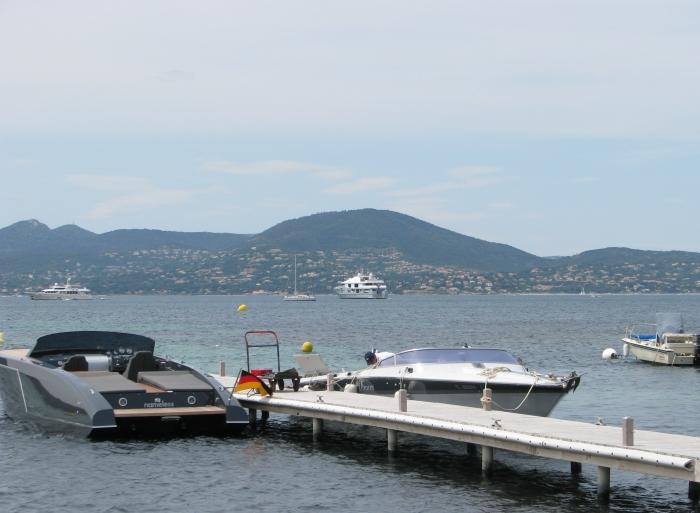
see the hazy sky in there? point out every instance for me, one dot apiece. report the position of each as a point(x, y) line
point(554, 126)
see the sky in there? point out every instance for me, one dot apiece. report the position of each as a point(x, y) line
point(556, 127)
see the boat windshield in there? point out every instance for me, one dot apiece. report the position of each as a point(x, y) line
point(466, 355)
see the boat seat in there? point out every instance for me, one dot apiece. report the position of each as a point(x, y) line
point(76, 363)
point(174, 380)
point(104, 381)
point(142, 361)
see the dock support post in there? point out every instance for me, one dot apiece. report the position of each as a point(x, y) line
point(471, 450)
point(252, 416)
point(486, 460)
point(392, 438)
point(627, 431)
point(317, 428)
point(329, 382)
point(694, 491)
point(402, 399)
point(487, 399)
point(222, 368)
point(604, 483)
point(575, 468)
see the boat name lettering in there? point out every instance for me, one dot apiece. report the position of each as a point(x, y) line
point(159, 404)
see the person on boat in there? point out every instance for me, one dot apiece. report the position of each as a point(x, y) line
point(372, 357)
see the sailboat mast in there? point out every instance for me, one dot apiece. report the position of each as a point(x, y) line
point(295, 275)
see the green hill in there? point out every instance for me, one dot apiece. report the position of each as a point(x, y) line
point(418, 241)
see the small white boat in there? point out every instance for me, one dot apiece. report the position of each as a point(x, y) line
point(362, 286)
point(667, 344)
point(65, 292)
point(296, 296)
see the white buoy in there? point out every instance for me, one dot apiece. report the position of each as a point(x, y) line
point(625, 350)
point(609, 354)
point(350, 388)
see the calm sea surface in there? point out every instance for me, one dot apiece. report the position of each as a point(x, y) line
point(278, 469)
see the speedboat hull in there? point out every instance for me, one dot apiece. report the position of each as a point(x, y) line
point(521, 398)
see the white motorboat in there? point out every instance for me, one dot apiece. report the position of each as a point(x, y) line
point(362, 286)
point(296, 296)
point(67, 291)
point(667, 344)
point(458, 376)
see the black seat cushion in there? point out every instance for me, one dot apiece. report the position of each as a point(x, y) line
point(142, 361)
point(76, 363)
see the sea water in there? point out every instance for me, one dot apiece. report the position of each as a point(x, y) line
point(278, 469)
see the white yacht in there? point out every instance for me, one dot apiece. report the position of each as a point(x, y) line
point(66, 291)
point(296, 296)
point(362, 286)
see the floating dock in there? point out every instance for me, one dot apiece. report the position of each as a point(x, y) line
point(607, 447)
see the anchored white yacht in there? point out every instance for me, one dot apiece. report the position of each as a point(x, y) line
point(66, 291)
point(362, 286)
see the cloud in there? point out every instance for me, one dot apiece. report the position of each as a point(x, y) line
point(501, 205)
point(362, 185)
point(132, 194)
point(108, 183)
point(176, 75)
point(466, 177)
point(584, 179)
point(277, 167)
point(150, 199)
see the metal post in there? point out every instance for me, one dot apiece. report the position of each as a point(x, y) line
point(222, 368)
point(487, 399)
point(252, 416)
point(627, 431)
point(604, 483)
point(576, 468)
point(402, 399)
point(392, 437)
point(329, 382)
point(693, 491)
point(486, 460)
point(317, 428)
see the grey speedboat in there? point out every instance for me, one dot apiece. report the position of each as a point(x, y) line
point(101, 383)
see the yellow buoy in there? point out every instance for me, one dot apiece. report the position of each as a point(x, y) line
point(2, 337)
point(242, 308)
point(307, 347)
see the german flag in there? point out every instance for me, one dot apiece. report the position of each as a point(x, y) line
point(248, 381)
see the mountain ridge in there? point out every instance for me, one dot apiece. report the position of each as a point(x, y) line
point(413, 254)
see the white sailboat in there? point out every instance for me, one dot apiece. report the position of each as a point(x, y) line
point(296, 296)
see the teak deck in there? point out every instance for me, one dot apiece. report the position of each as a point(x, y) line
point(160, 412)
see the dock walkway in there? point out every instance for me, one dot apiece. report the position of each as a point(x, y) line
point(646, 452)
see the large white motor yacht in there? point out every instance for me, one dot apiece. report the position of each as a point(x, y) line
point(66, 291)
point(362, 286)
